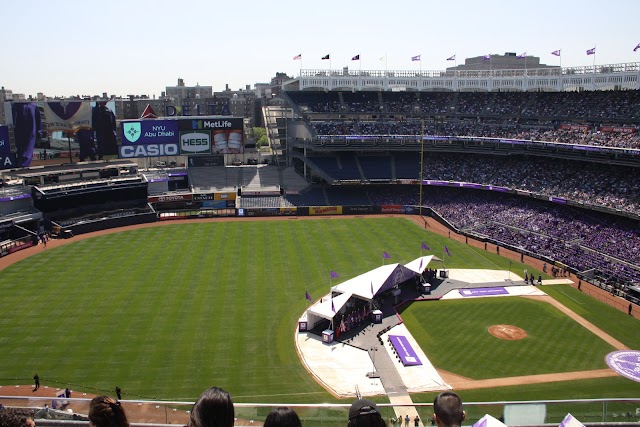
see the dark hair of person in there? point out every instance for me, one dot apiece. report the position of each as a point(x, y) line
point(106, 412)
point(282, 417)
point(448, 408)
point(364, 413)
point(213, 408)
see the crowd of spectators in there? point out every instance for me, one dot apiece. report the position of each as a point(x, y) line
point(567, 133)
point(578, 238)
point(591, 184)
point(577, 105)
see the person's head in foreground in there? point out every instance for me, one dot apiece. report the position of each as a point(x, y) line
point(106, 412)
point(282, 417)
point(213, 408)
point(447, 410)
point(364, 413)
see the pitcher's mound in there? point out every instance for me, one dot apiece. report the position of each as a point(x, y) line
point(507, 332)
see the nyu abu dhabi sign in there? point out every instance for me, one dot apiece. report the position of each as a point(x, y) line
point(189, 136)
point(149, 132)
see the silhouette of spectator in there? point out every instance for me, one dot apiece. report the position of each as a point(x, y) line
point(10, 417)
point(364, 413)
point(447, 409)
point(106, 412)
point(213, 408)
point(282, 417)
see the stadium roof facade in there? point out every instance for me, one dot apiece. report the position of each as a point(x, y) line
point(548, 79)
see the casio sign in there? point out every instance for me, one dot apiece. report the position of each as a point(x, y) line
point(195, 142)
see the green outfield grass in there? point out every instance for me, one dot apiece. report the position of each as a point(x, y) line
point(168, 311)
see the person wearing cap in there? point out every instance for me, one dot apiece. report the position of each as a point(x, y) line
point(364, 413)
point(447, 410)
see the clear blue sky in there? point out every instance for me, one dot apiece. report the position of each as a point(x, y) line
point(70, 47)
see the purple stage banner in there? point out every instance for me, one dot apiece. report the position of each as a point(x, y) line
point(626, 363)
point(483, 292)
point(404, 350)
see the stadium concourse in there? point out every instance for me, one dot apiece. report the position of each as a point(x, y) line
point(364, 359)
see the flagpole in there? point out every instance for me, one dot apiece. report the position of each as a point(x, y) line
point(421, 164)
point(594, 66)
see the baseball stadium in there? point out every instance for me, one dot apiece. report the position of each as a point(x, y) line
point(403, 234)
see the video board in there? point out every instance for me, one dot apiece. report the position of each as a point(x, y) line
point(194, 136)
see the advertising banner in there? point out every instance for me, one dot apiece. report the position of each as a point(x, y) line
point(206, 161)
point(195, 142)
point(149, 132)
point(148, 150)
point(325, 210)
point(8, 161)
point(214, 204)
point(357, 210)
point(170, 198)
point(5, 146)
point(227, 133)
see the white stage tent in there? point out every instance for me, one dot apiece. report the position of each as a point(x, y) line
point(324, 310)
point(366, 286)
point(379, 280)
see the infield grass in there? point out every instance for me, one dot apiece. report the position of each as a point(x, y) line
point(168, 311)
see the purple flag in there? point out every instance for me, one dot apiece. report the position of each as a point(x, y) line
point(356, 58)
point(636, 48)
point(307, 296)
point(522, 55)
point(327, 56)
point(297, 57)
point(446, 250)
point(385, 255)
point(451, 58)
point(556, 52)
point(27, 129)
point(486, 57)
point(334, 275)
point(591, 51)
point(425, 247)
point(415, 58)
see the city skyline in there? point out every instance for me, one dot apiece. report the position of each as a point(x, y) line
point(142, 47)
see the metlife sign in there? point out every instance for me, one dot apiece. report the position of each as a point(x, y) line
point(149, 132)
point(216, 123)
point(195, 142)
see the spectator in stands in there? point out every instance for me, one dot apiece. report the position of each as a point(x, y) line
point(214, 408)
point(447, 409)
point(364, 413)
point(12, 418)
point(106, 412)
point(282, 417)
